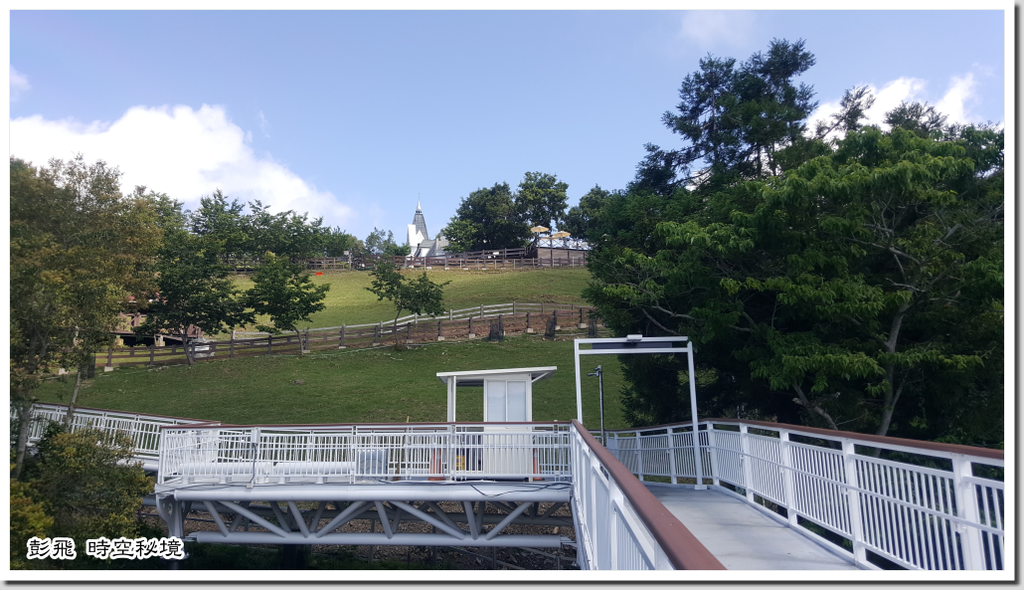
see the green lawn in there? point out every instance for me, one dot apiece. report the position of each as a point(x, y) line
point(348, 301)
point(379, 385)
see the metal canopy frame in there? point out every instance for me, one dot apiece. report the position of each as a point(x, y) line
point(452, 379)
point(638, 344)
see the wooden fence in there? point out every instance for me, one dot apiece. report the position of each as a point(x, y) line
point(468, 323)
point(505, 258)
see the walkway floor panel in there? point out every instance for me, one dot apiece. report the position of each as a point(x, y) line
point(741, 537)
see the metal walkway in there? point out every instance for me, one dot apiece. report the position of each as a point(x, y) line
point(742, 537)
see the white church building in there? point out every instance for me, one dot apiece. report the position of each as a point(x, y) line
point(420, 244)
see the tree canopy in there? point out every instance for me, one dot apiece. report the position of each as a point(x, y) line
point(854, 285)
point(496, 217)
point(79, 250)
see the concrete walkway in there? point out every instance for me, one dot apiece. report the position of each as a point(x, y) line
point(741, 537)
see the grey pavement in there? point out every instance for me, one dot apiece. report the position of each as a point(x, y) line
point(742, 537)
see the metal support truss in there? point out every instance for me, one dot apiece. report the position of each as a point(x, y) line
point(462, 516)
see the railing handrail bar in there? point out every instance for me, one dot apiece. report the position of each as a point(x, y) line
point(390, 425)
point(190, 421)
point(982, 452)
point(681, 547)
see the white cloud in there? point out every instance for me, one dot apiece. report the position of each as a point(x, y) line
point(19, 84)
point(183, 152)
point(712, 28)
point(954, 103)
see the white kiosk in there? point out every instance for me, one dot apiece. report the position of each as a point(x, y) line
point(502, 444)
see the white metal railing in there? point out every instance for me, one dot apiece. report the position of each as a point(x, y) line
point(619, 524)
point(346, 453)
point(917, 505)
point(142, 429)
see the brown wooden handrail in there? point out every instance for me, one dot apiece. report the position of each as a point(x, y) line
point(983, 452)
point(683, 550)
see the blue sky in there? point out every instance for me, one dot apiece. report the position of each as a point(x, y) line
point(353, 115)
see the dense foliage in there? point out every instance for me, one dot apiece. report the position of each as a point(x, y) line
point(497, 217)
point(81, 485)
point(855, 283)
point(79, 250)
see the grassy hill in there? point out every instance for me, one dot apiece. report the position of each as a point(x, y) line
point(348, 301)
point(379, 385)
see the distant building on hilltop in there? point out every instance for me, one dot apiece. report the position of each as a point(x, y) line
point(420, 244)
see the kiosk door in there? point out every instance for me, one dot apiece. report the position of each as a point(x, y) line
point(507, 449)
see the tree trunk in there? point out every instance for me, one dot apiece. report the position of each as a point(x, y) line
point(24, 424)
point(74, 396)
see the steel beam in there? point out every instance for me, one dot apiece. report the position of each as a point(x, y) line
point(400, 539)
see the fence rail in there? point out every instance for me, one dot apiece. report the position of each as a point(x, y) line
point(503, 258)
point(914, 504)
point(349, 453)
point(456, 324)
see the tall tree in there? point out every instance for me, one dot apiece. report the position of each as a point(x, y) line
point(79, 250)
point(419, 296)
point(845, 293)
point(736, 122)
point(584, 220)
point(284, 292)
point(542, 199)
point(488, 218)
point(193, 291)
point(222, 221)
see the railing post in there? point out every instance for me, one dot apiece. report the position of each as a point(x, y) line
point(671, 455)
point(748, 473)
point(712, 453)
point(853, 501)
point(967, 504)
point(341, 344)
point(785, 453)
point(440, 335)
point(639, 456)
point(231, 351)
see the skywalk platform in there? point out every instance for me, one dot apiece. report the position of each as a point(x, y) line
point(741, 537)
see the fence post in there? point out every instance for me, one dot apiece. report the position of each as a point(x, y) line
point(745, 460)
point(481, 310)
point(450, 312)
point(853, 501)
point(342, 343)
point(376, 334)
point(270, 343)
point(513, 308)
point(470, 334)
point(529, 330)
point(231, 353)
point(408, 333)
point(440, 335)
point(555, 315)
